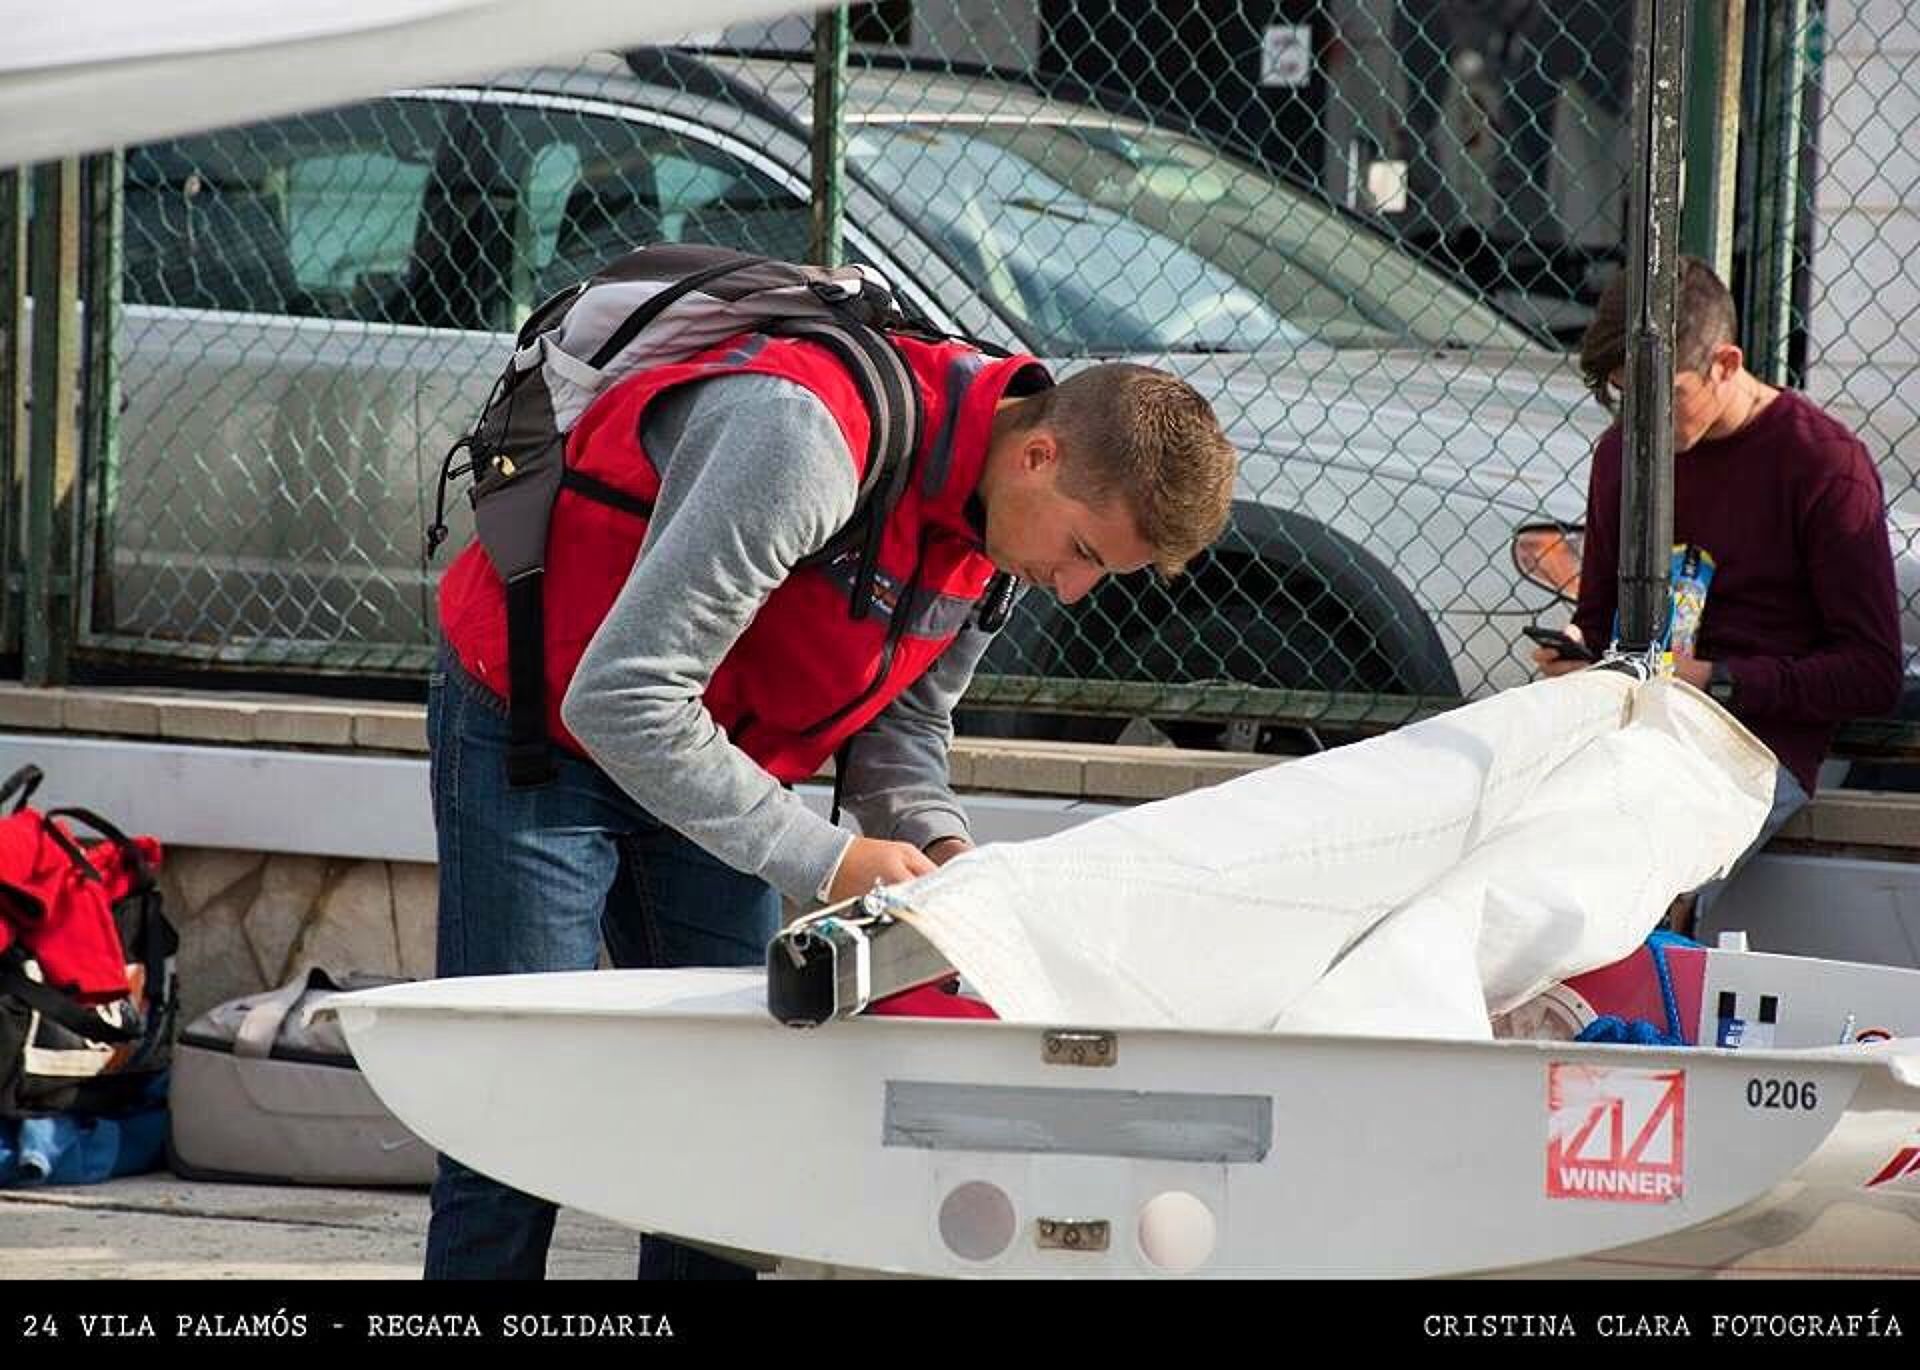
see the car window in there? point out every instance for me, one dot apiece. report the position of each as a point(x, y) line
point(554, 172)
point(315, 216)
point(1102, 240)
point(596, 187)
point(351, 216)
point(1082, 277)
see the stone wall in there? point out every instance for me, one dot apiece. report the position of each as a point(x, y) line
point(249, 920)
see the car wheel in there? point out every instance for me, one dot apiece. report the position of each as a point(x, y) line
point(1232, 618)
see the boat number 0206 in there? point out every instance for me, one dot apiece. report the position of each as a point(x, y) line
point(1782, 1094)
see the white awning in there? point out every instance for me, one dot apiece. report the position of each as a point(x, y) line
point(86, 77)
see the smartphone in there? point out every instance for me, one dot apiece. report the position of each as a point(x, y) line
point(1568, 649)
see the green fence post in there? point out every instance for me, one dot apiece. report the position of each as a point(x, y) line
point(831, 33)
point(13, 393)
point(1713, 131)
point(1778, 93)
point(54, 444)
point(91, 527)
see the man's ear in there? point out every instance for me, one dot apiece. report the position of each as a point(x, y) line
point(1728, 359)
point(1039, 449)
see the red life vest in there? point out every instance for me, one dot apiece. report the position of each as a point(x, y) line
point(806, 675)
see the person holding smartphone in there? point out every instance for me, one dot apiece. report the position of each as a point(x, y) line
point(1556, 646)
point(1801, 629)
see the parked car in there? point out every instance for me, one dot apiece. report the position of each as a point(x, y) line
point(316, 305)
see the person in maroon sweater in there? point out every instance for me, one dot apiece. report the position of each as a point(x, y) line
point(1801, 626)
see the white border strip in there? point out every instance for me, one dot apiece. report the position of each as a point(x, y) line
point(321, 804)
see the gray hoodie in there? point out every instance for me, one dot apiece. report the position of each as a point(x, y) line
point(754, 476)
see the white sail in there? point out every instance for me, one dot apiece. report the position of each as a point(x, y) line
point(1407, 885)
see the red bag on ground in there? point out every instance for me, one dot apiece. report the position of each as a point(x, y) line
point(59, 909)
point(88, 996)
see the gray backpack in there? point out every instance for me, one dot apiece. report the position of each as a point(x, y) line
point(654, 306)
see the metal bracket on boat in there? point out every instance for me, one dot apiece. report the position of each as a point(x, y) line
point(1063, 1048)
point(1642, 667)
point(1073, 1234)
point(833, 963)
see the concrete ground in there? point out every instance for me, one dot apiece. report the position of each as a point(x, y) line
point(160, 1227)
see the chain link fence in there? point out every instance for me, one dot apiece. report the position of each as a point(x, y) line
point(1368, 230)
point(1852, 341)
point(1826, 286)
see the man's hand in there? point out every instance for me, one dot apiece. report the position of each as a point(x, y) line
point(1692, 670)
point(870, 860)
point(943, 849)
point(1550, 663)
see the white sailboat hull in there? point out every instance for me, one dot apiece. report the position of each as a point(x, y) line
point(670, 1101)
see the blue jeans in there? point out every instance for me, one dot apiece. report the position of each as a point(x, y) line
point(532, 880)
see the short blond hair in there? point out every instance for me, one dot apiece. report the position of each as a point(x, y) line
point(1136, 433)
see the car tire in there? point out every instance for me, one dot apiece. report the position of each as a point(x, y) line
point(1343, 631)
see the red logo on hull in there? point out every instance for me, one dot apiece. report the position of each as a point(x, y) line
point(1905, 1162)
point(1616, 1135)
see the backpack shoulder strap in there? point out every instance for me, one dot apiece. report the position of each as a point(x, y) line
point(54, 1006)
point(529, 755)
point(886, 385)
point(631, 326)
point(22, 782)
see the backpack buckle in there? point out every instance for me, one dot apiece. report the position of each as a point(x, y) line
point(836, 292)
point(996, 604)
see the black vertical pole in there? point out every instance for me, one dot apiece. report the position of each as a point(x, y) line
point(1653, 236)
